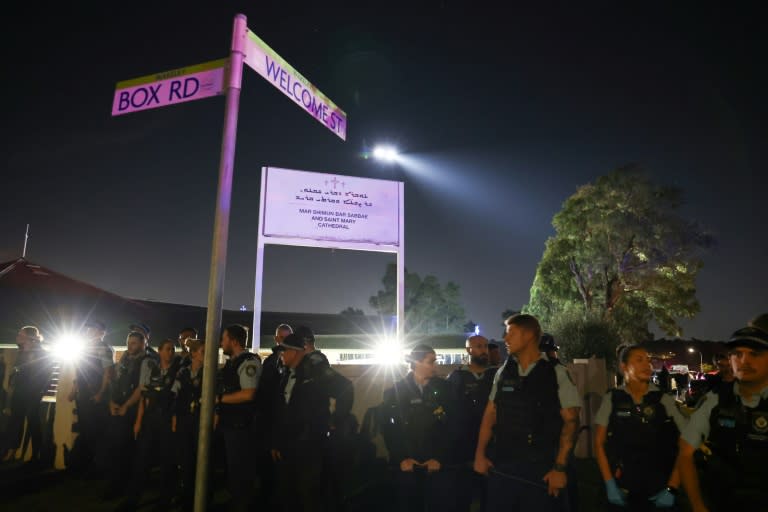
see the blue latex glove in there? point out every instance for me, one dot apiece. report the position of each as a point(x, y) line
point(663, 499)
point(615, 495)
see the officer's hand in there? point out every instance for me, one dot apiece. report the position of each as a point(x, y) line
point(433, 465)
point(173, 423)
point(663, 499)
point(97, 397)
point(406, 465)
point(136, 429)
point(556, 481)
point(113, 408)
point(276, 455)
point(482, 465)
point(615, 495)
point(122, 410)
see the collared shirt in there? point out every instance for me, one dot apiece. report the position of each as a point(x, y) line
point(249, 373)
point(566, 389)
point(697, 430)
point(603, 415)
point(289, 385)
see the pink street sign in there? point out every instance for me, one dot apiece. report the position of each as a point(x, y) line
point(266, 62)
point(170, 87)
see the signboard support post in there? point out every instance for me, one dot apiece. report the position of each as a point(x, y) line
point(401, 268)
point(219, 259)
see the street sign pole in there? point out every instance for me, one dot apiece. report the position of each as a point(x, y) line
point(219, 260)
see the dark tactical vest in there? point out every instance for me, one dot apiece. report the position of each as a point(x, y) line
point(89, 373)
point(528, 420)
point(128, 373)
point(158, 391)
point(738, 440)
point(190, 392)
point(472, 400)
point(642, 442)
point(235, 415)
point(415, 423)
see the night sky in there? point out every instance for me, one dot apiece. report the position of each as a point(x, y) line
point(505, 112)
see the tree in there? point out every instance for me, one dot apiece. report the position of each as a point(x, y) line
point(350, 311)
point(580, 337)
point(623, 255)
point(429, 306)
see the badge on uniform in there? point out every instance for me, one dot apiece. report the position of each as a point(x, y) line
point(416, 401)
point(250, 370)
point(649, 412)
point(760, 422)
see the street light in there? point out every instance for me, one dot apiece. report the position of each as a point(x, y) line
point(385, 153)
point(701, 358)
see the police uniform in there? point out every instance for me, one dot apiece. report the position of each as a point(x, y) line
point(237, 425)
point(155, 443)
point(419, 423)
point(732, 434)
point(471, 392)
point(641, 443)
point(91, 415)
point(29, 382)
point(116, 459)
point(528, 428)
point(302, 428)
point(188, 390)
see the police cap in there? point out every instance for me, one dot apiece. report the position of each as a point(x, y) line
point(293, 341)
point(749, 337)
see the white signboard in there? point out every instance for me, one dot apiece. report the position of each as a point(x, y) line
point(330, 207)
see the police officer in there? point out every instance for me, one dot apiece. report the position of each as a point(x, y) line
point(471, 384)
point(144, 329)
point(185, 334)
point(534, 409)
point(303, 422)
point(417, 427)
point(549, 347)
point(236, 409)
point(29, 382)
point(185, 422)
point(731, 428)
point(636, 437)
point(269, 382)
point(339, 446)
point(152, 428)
point(132, 373)
point(93, 374)
point(494, 354)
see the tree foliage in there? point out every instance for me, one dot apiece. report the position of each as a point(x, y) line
point(429, 306)
point(622, 254)
point(581, 338)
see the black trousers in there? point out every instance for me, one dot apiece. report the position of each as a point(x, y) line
point(154, 447)
point(301, 483)
point(240, 448)
point(421, 491)
point(520, 487)
point(187, 431)
point(25, 406)
point(91, 418)
point(115, 457)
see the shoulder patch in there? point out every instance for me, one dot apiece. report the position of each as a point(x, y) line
point(250, 370)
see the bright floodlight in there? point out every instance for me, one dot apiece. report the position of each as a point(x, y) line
point(68, 347)
point(389, 352)
point(386, 153)
point(691, 350)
